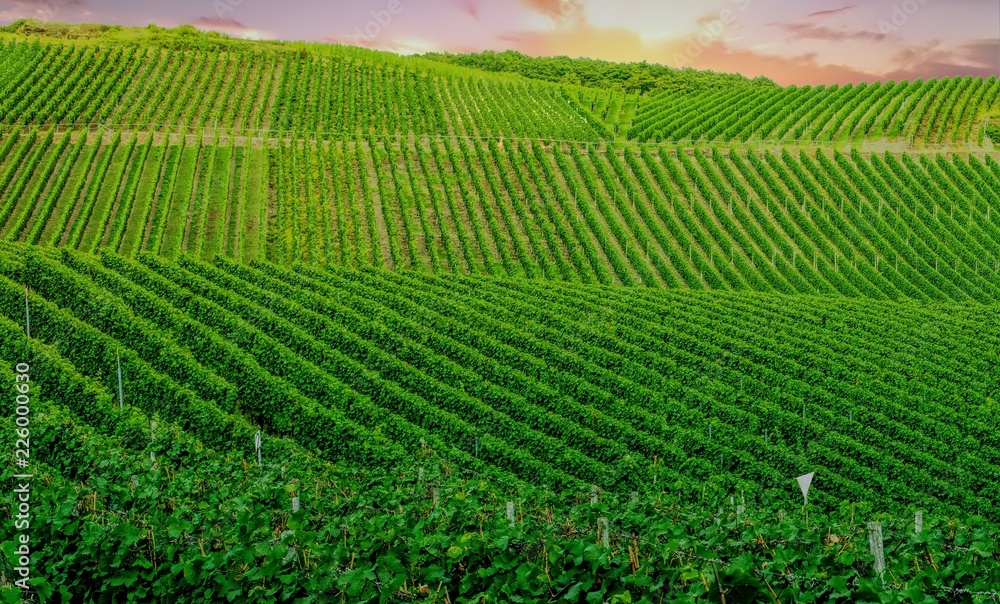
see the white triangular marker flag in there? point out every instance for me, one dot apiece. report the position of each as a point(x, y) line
point(804, 482)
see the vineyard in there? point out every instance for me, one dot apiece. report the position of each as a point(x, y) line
point(131, 193)
point(811, 222)
point(349, 92)
point(950, 110)
point(678, 396)
point(311, 323)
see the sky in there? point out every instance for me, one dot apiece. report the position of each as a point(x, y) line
point(790, 41)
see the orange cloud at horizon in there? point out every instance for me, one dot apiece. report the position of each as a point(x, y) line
point(714, 52)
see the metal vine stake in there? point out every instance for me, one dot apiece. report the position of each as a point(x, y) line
point(256, 444)
point(27, 314)
point(121, 397)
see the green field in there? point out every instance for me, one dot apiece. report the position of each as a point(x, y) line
point(501, 338)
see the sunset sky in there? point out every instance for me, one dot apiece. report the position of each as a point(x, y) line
point(790, 41)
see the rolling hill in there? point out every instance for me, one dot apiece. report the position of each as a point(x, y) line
point(657, 392)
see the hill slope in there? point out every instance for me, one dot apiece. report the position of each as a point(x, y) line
point(560, 384)
point(879, 225)
point(458, 393)
point(949, 110)
point(318, 91)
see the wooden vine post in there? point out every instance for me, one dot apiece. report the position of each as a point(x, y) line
point(877, 546)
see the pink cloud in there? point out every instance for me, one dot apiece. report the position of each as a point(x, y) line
point(832, 11)
point(808, 31)
point(469, 7)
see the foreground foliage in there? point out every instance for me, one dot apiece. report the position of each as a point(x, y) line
point(197, 526)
